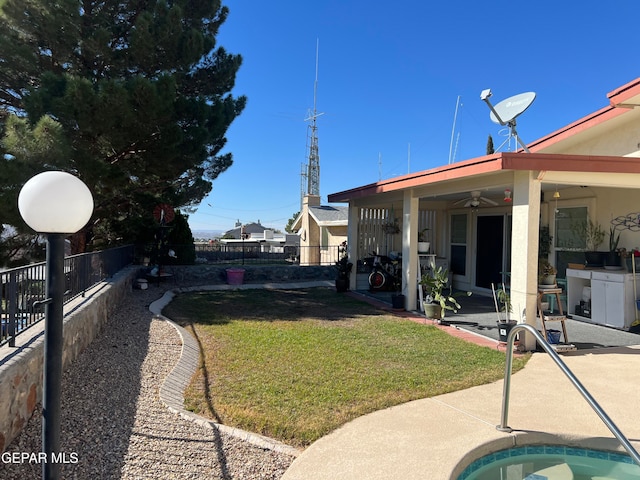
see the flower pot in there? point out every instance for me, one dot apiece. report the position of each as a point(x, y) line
point(612, 259)
point(235, 276)
point(629, 263)
point(504, 327)
point(342, 284)
point(397, 301)
point(594, 259)
point(548, 280)
point(423, 247)
point(432, 311)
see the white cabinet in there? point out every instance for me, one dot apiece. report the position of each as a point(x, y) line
point(612, 296)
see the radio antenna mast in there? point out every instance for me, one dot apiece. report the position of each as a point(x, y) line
point(313, 166)
point(452, 155)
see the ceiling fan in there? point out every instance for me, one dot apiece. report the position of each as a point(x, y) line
point(476, 200)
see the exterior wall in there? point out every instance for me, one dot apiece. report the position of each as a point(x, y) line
point(335, 236)
point(618, 137)
point(22, 367)
point(610, 205)
point(309, 256)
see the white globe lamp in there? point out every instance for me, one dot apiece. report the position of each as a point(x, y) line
point(56, 204)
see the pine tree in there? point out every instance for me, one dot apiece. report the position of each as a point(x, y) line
point(131, 96)
point(490, 149)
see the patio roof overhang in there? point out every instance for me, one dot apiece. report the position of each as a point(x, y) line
point(551, 168)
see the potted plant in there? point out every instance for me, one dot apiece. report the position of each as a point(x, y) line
point(632, 259)
point(594, 236)
point(440, 296)
point(546, 273)
point(505, 323)
point(612, 258)
point(544, 241)
point(343, 267)
point(397, 297)
point(391, 228)
point(423, 241)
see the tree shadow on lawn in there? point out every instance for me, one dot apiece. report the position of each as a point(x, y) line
point(221, 307)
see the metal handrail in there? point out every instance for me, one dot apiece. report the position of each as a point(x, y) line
point(503, 427)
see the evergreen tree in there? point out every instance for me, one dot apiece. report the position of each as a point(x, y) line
point(490, 149)
point(287, 227)
point(132, 97)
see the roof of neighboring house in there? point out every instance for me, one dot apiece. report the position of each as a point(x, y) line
point(325, 216)
point(249, 228)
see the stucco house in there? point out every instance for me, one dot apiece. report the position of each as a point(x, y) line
point(322, 228)
point(588, 170)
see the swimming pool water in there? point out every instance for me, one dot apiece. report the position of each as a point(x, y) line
point(552, 462)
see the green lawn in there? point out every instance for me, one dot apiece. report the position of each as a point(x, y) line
point(296, 364)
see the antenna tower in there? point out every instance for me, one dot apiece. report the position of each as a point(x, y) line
point(313, 165)
point(303, 183)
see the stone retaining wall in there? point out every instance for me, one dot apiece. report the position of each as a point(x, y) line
point(21, 367)
point(213, 274)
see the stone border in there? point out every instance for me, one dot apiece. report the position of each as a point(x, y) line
point(172, 390)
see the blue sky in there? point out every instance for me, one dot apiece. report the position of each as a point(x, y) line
point(390, 74)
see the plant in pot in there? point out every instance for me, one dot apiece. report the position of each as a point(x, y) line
point(343, 267)
point(612, 258)
point(544, 241)
point(594, 236)
point(505, 322)
point(546, 273)
point(423, 241)
point(397, 298)
point(632, 259)
point(440, 296)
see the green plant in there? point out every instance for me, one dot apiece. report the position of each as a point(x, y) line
point(422, 236)
point(343, 265)
point(592, 232)
point(505, 300)
point(391, 228)
point(613, 239)
point(441, 291)
point(544, 241)
point(545, 269)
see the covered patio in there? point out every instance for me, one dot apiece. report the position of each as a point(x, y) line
point(589, 168)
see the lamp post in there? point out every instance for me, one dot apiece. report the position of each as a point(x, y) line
point(56, 204)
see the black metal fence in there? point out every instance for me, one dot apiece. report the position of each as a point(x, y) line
point(23, 289)
point(252, 253)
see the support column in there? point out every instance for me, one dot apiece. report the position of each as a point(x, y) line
point(410, 206)
point(352, 243)
point(524, 249)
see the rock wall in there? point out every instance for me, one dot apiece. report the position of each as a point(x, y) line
point(214, 274)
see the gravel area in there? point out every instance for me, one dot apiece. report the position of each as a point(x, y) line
point(114, 425)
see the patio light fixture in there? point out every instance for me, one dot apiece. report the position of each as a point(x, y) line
point(56, 204)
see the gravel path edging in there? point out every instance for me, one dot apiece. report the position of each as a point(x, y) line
point(172, 389)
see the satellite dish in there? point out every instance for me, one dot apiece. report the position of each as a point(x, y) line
point(509, 109)
point(505, 112)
